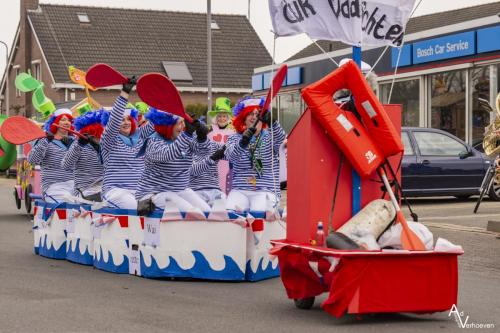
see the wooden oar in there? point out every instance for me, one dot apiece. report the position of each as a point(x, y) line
point(159, 91)
point(19, 130)
point(409, 239)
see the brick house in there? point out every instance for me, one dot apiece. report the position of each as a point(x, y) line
point(50, 38)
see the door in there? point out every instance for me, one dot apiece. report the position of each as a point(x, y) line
point(440, 167)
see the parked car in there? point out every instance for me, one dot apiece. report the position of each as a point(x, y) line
point(437, 163)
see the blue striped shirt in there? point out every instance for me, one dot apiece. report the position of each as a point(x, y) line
point(49, 156)
point(86, 166)
point(204, 171)
point(167, 165)
point(122, 168)
point(245, 177)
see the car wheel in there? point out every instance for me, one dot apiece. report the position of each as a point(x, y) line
point(304, 303)
point(495, 190)
point(18, 200)
point(463, 197)
point(27, 199)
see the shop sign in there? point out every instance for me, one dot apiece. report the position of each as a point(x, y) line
point(452, 46)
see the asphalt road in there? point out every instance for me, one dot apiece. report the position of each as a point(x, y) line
point(43, 295)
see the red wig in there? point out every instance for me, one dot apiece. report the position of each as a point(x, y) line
point(133, 125)
point(53, 127)
point(166, 131)
point(239, 121)
point(94, 130)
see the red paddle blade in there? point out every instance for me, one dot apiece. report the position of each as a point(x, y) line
point(158, 91)
point(19, 130)
point(103, 75)
point(278, 79)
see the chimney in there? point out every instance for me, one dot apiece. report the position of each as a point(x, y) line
point(25, 42)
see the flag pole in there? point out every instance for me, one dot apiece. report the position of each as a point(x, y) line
point(356, 180)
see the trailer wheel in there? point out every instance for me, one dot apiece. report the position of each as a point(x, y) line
point(18, 200)
point(27, 198)
point(304, 303)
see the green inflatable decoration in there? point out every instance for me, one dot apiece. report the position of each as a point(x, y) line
point(8, 151)
point(26, 83)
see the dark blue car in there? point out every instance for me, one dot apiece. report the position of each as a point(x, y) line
point(437, 163)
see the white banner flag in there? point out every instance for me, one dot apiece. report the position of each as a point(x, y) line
point(354, 22)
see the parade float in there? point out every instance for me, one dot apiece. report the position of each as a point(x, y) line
point(346, 234)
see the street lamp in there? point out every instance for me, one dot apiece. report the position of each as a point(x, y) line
point(6, 77)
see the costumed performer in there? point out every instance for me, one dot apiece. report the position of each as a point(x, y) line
point(48, 152)
point(84, 156)
point(168, 155)
point(252, 152)
point(120, 143)
point(221, 131)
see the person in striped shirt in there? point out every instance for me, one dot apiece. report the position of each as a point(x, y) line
point(253, 152)
point(57, 183)
point(168, 157)
point(120, 144)
point(83, 156)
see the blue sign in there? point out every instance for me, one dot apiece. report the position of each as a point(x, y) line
point(293, 76)
point(404, 58)
point(262, 81)
point(488, 39)
point(446, 47)
point(267, 80)
point(257, 82)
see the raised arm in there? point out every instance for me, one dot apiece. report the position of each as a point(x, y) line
point(37, 154)
point(234, 149)
point(112, 128)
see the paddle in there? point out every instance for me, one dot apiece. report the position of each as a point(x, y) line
point(409, 239)
point(19, 130)
point(75, 133)
point(278, 79)
point(158, 91)
point(103, 75)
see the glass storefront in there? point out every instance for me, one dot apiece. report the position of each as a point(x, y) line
point(406, 93)
point(448, 102)
point(290, 109)
point(480, 101)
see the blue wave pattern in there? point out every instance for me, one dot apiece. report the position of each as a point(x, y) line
point(110, 266)
point(261, 274)
point(51, 252)
point(75, 256)
point(200, 270)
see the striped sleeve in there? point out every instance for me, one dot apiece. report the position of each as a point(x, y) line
point(37, 154)
point(234, 151)
point(279, 136)
point(202, 167)
point(71, 157)
point(112, 128)
point(146, 130)
point(164, 153)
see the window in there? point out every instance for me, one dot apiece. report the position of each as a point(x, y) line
point(177, 71)
point(407, 143)
point(480, 101)
point(17, 70)
point(37, 70)
point(437, 144)
point(289, 110)
point(406, 93)
point(83, 17)
point(214, 25)
point(448, 102)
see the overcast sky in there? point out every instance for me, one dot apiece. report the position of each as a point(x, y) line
point(259, 17)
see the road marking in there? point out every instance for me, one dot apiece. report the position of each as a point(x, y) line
point(457, 227)
point(475, 216)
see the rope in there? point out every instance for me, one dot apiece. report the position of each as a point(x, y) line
point(376, 62)
point(399, 55)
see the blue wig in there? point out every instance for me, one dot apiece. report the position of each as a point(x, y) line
point(49, 123)
point(161, 118)
point(105, 116)
point(90, 118)
point(245, 102)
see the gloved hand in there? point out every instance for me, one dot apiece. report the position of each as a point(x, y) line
point(191, 127)
point(127, 87)
point(49, 136)
point(218, 154)
point(201, 132)
point(83, 140)
point(266, 119)
point(247, 136)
